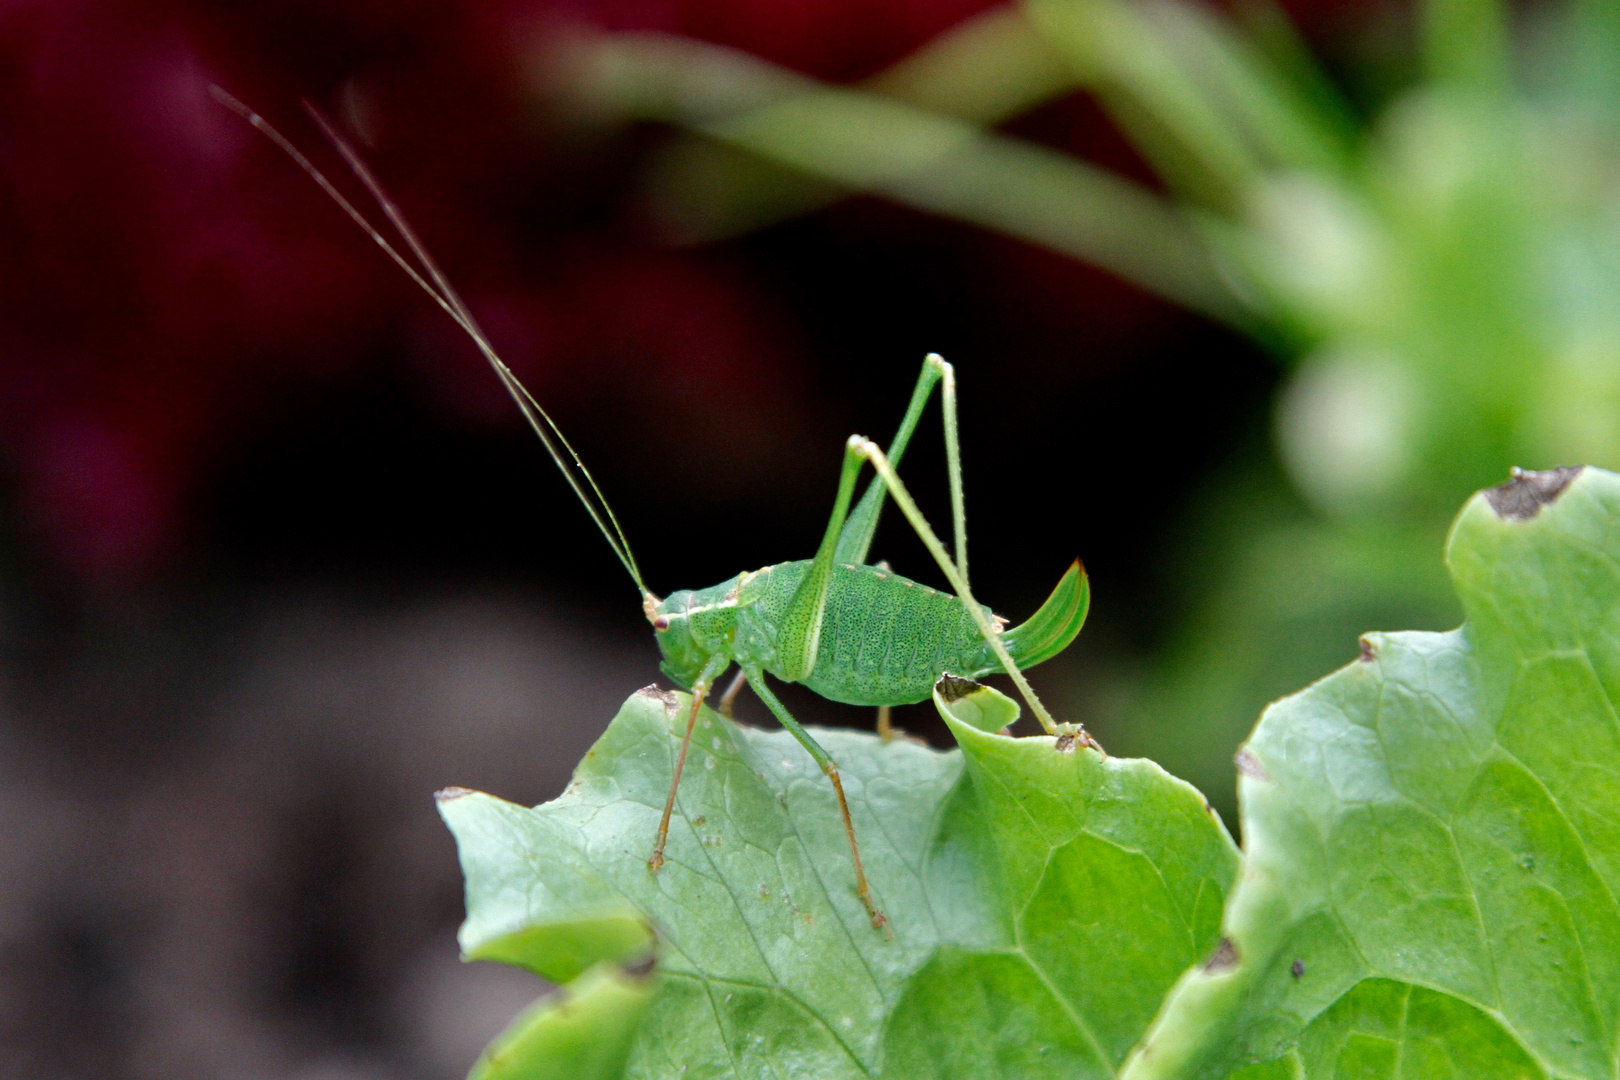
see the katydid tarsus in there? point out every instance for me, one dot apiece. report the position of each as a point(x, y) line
point(851, 632)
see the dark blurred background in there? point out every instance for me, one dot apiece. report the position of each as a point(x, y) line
point(278, 558)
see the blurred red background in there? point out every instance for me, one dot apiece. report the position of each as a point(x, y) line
point(174, 288)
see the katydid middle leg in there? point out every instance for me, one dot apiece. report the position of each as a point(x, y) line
point(729, 698)
point(756, 678)
point(797, 646)
point(798, 641)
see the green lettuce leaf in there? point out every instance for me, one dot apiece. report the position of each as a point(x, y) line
point(1432, 834)
point(1041, 900)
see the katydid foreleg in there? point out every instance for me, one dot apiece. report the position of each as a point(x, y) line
point(700, 690)
point(786, 641)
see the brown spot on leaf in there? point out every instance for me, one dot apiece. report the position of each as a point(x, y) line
point(954, 688)
point(1369, 651)
point(1297, 968)
point(664, 697)
point(1522, 497)
point(450, 793)
point(1250, 766)
point(1225, 958)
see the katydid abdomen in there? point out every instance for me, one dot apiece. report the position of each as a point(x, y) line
point(886, 639)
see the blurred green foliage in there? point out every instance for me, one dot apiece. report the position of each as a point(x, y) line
point(1441, 281)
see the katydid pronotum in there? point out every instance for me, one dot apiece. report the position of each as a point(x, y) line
point(851, 632)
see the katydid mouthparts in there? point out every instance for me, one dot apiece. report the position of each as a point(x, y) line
point(854, 633)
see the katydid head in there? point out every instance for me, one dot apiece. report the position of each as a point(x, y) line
point(693, 626)
point(672, 625)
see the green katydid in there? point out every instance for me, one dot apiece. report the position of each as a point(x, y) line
point(851, 632)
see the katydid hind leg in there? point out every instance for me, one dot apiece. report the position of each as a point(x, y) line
point(953, 463)
point(700, 690)
point(756, 678)
point(798, 638)
point(869, 450)
point(856, 539)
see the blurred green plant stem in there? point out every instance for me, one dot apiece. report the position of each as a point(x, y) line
point(1442, 284)
point(935, 161)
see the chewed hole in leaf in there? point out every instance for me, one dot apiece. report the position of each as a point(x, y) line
point(953, 688)
point(1522, 497)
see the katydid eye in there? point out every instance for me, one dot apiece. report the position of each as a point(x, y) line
point(661, 623)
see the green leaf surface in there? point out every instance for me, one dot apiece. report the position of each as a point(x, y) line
point(1432, 834)
point(1060, 892)
point(581, 1033)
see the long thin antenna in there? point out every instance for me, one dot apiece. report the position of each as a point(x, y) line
point(445, 295)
